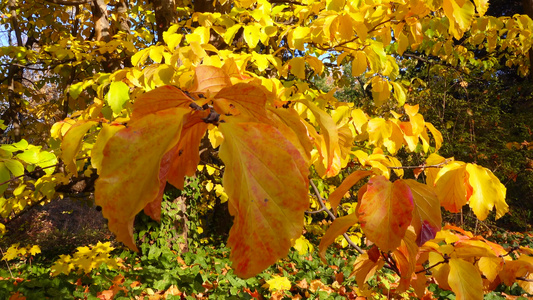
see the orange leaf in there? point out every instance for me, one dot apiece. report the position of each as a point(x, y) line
point(249, 101)
point(97, 152)
point(161, 98)
point(427, 219)
point(338, 227)
point(288, 122)
point(266, 180)
point(385, 212)
point(210, 79)
point(465, 280)
point(185, 156)
point(129, 179)
point(364, 268)
point(405, 257)
point(346, 185)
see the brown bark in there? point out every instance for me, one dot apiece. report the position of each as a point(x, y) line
point(100, 19)
point(166, 14)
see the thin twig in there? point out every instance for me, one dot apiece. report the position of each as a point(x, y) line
point(8, 267)
point(321, 201)
point(439, 165)
point(315, 211)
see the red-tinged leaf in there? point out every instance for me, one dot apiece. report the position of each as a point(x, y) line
point(427, 219)
point(249, 102)
point(346, 185)
point(185, 156)
point(129, 178)
point(364, 268)
point(465, 280)
point(158, 99)
point(450, 186)
point(266, 180)
point(329, 149)
point(71, 144)
point(97, 152)
point(385, 212)
point(338, 227)
point(487, 192)
point(210, 80)
point(289, 123)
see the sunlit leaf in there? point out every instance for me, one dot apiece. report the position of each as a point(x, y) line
point(352, 179)
point(266, 180)
point(487, 192)
point(450, 186)
point(385, 212)
point(72, 143)
point(118, 94)
point(465, 280)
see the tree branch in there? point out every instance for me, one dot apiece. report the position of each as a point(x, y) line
point(321, 201)
point(70, 2)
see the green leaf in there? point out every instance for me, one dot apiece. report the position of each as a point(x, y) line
point(15, 166)
point(4, 176)
point(118, 94)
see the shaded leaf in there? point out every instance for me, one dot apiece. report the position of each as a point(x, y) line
point(129, 178)
point(352, 179)
point(427, 219)
point(338, 227)
point(159, 99)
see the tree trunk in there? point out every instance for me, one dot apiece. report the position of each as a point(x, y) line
point(166, 14)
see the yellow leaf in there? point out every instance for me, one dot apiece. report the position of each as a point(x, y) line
point(330, 151)
point(437, 135)
point(72, 143)
point(338, 227)
point(450, 186)
point(303, 246)
point(298, 37)
point(97, 152)
point(481, 6)
point(490, 267)
point(487, 192)
point(460, 16)
point(399, 92)
point(230, 33)
point(252, 34)
point(358, 63)
point(378, 130)
point(278, 283)
point(35, 249)
point(297, 67)
point(465, 280)
point(266, 180)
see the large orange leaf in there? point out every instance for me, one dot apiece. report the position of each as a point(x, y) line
point(246, 100)
point(465, 280)
point(346, 185)
point(450, 186)
point(405, 258)
point(288, 122)
point(338, 227)
point(210, 79)
point(385, 212)
point(266, 180)
point(487, 192)
point(427, 220)
point(185, 156)
point(161, 98)
point(129, 178)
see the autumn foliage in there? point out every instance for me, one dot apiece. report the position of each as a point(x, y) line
point(243, 81)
